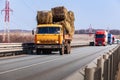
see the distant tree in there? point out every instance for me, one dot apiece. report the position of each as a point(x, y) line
point(84, 31)
point(115, 32)
point(21, 38)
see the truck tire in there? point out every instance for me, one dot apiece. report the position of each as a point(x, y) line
point(38, 51)
point(45, 52)
point(68, 49)
point(62, 51)
point(91, 44)
point(105, 44)
point(49, 51)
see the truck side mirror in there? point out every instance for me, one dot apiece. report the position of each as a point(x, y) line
point(33, 32)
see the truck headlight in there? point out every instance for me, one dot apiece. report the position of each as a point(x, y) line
point(38, 41)
point(56, 42)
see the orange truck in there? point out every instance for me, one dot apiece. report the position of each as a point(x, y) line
point(101, 38)
point(53, 34)
point(51, 37)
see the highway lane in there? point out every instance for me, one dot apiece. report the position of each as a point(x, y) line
point(50, 66)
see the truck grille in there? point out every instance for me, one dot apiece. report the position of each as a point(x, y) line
point(48, 42)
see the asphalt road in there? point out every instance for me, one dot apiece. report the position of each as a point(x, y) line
point(49, 66)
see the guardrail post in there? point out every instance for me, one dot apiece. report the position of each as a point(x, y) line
point(106, 75)
point(111, 67)
point(119, 53)
point(115, 62)
point(105, 57)
point(100, 66)
point(89, 73)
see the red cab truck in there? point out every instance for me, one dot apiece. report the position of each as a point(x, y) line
point(101, 38)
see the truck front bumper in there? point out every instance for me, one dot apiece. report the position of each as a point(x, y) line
point(49, 46)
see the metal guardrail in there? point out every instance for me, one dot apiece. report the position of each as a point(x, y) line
point(102, 68)
point(8, 47)
point(15, 48)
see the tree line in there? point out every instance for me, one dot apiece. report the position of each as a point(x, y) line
point(86, 31)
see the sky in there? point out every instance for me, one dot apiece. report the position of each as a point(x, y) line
point(101, 14)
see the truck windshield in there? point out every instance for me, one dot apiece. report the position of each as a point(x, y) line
point(100, 36)
point(48, 30)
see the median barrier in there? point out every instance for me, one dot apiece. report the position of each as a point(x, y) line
point(15, 48)
point(26, 48)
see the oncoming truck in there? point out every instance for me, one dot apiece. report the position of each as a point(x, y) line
point(54, 31)
point(110, 38)
point(101, 38)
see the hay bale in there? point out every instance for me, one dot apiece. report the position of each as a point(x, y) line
point(67, 26)
point(44, 17)
point(59, 13)
point(72, 30)
point(71, 16)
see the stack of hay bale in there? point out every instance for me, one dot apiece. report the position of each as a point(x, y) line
point(58, 15)
point(65, 18)
point(44, 17)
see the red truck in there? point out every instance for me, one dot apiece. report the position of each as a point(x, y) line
point(101, 38)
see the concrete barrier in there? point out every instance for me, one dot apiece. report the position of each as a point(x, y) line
point(102, 68)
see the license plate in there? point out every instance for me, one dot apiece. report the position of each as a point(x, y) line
point(47, 46)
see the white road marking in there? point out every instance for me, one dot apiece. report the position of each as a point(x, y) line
point(35, 64)
point(27, 66)
point(15, 60)
point(10, 57)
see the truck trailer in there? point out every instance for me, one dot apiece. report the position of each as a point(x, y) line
point(110, 38)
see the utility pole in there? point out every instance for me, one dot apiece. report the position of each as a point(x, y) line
point(7, 10)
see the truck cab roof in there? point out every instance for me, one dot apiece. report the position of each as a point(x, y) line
point(101, 32)
point(46, 25)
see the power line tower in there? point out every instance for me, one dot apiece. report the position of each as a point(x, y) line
point(7, 10)
point(90, 30)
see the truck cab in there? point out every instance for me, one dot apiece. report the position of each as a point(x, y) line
point(101, 38)
point(49, 34)
point(50, 37)
point(110, 38)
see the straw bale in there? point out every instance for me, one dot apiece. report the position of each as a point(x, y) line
point(44, 17)
point(72, 31)
point(59, 13)
point(67, 26)
point(71, 16)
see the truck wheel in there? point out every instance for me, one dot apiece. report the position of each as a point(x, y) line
point(49, 51)
point(62, 51)
point(38, 51)
point(45, 52)
point(68, 49)
point(105, 44)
